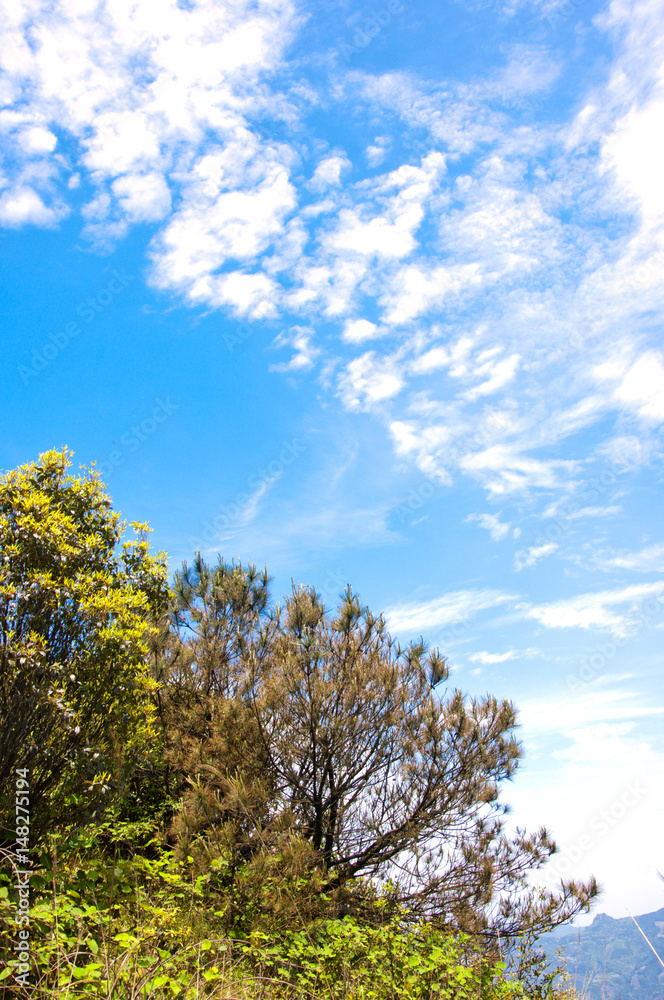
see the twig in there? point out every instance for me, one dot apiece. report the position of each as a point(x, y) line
point(648, 942)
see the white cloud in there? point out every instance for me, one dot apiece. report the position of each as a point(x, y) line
point(368, 380)
point(635, 154)
point(178, 126)
point(499, 374)
point(143, 102)
point(357, 330)
point(609, 511)
point(390, 233)
point(648, 560)
point(527, 558)
point(37, 140)
point(641, 387)
point(505, 470)
point(497, 528)
point(416, 289)
point(23, 206)
point(305, 354)
point(376, 151)
point(486, 658)
point(430, 361)
point(590, 749)
point(247, 294)
point(239, 515)
point(640, 603)
point(126, 142)
point(143, 197)
point(502, 226)
point(627, 451)
point(453, 607)
point(214, 225)
point(328, 172)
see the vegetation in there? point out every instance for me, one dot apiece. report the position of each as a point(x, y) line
point(231, 797)
point(74, 684)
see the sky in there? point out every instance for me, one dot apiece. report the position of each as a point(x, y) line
point(370, 293)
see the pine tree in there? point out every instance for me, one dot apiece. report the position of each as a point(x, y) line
point(320, 729)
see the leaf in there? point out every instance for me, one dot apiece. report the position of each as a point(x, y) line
point(124, 938)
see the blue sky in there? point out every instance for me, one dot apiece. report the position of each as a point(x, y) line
point(372, 294)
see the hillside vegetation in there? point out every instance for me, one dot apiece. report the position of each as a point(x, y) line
point(232, 797)
point(611, 959)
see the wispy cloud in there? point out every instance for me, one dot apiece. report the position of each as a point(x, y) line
point(455, 606)
point(611, 703)
point(600, 609)
point(491, 522)
point(487, 658)
point(180, 129)
point(528, 557)
point(301, 339)
point(647, 560)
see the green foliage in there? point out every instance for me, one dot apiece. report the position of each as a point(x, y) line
point(238, 799)
point(111, 925)
point(75, 610)
point(342, 958)
point(104, 925)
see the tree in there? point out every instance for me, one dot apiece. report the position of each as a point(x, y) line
point(357, 756)
point(76, 606)
point(213, 759)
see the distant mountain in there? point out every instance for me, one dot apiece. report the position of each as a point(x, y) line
point(609, 958)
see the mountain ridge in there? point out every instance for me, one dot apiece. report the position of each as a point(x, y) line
point(610, 959)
